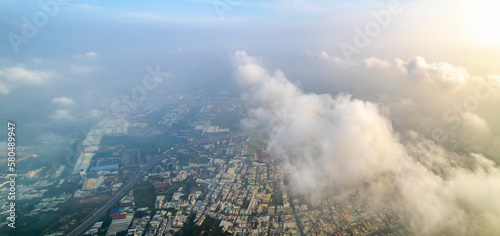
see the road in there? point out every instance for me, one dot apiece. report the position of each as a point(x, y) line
point(99, 213)
point(212, 138)
point(87, 223)
point(297, 220)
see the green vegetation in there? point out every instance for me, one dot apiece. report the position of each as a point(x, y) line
point(227, 119)
point(188, 118)
point(153, 117)
point(209, 226)
point(44, 222)
point(195, 133)
point(276, 199)
point(106, 222)
point(188, 186)
point(147, 145)
point(192, 158)
point(144, 194)
point(140, 214)
point(257, 142)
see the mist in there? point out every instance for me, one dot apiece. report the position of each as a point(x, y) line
point(337, 141)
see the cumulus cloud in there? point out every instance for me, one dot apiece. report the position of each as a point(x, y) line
point(441, 95)
point(62, 115)
point(441, 73)
point(19, 74)
point(323, 55)
point(82, 70)
point(241, 57)
point(63, 101)
point(90, 54)
point(473, 122)
point(14, 76)
point(330, 142)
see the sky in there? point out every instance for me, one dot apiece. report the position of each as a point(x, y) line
point(366, 88)
point(102, 37)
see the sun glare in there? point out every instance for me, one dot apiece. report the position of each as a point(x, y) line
point(484, 20)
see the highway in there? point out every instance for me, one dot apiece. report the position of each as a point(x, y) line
point(212, 138)
point(124, 190)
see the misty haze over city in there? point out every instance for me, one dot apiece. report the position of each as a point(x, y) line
point(238, 117)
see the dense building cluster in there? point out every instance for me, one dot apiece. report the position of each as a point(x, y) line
point(203, 176)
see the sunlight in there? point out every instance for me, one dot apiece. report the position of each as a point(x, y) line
point(483, 19)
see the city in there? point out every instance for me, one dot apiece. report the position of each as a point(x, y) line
point(233, 117)
point(208, 176)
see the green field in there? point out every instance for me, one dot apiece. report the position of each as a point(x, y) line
point(210, 226)
point(144, 194)
point(227, 119)
point(147, 145)
point(188, 118)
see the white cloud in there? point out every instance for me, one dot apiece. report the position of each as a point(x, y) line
point(376, 63)
point(324, 56)
point(4, 89)
point(91, 54)
point(417, 69)
point(475, 127)
point(330, 142)
point(95, 113)
point(63, 101)
point(241, 57)
point(82, 70)
point(20, 75)
point(62, 115)
point(441, 73)
point(440, 93)
point(15, 76)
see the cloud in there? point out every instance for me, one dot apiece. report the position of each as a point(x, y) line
point(476, 127)
point(290, 5)
point(441, 73)
point(90, 54)
point(15, 76)
point(82, 70)
point(4, 89)
point(62, 115)
point(20, 75)
point(440, 94)
point(147, 16)
point(63, 101)
point(241, 58)
point(377, 63)
point(95, 113)
point(337, 142)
